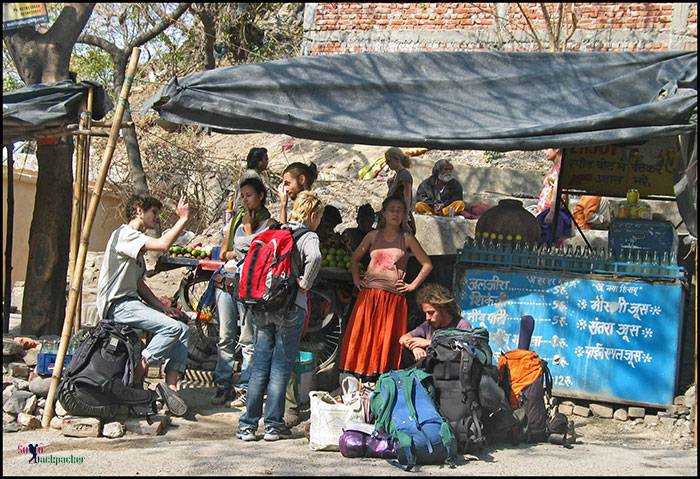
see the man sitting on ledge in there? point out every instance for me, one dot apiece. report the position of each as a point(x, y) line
point(440, 194)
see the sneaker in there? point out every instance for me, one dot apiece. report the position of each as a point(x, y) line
point(277, 433)
point(176, 405)
point(246, 434)
point(222, 395)
point(240, 401)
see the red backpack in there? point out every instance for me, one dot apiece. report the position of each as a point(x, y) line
point(267, 281)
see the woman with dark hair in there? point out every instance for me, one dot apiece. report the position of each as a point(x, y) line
point(296, 177)
point(252, 219)
point(257, 159)
point(371, 342)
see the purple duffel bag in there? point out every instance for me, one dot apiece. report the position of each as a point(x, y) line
point(361, 440)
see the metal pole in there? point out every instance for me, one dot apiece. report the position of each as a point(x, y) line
point(82, 251)
point(7, 298)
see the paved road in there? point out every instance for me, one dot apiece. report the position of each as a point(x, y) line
point(204, 445)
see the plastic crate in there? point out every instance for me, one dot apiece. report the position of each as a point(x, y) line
point(45, 362)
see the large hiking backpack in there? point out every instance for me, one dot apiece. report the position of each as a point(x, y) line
point(268, 276)
point(525, 378)
point(456, 359)
point(100, 377)
point(406, 412)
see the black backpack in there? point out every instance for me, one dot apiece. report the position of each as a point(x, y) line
point(100, 377)
point(456, 359)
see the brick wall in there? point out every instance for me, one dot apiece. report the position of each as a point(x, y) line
point(380, 27)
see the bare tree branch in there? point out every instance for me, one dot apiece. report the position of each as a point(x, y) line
point(559, 20)
point(548, 24)
point(98, 42)
point(574, 25)
point(158, 29)
point(532, 29)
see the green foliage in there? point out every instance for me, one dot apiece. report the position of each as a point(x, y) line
point(10, 78)
point(494, 155)
point(92, 63)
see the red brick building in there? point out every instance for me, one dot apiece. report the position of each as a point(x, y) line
point(385, 27)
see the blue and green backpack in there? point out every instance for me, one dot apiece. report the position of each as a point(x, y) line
point(405, 411)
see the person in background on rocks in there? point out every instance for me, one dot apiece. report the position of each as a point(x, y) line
point(440, 193)
point(441, 311)
point(124, 297)
point(296, 177)
point(277, 338)
point(592, 212)
point(371, 341)
point(365, 223)
point(401, 184)
point(331, 218)
point(252, 219)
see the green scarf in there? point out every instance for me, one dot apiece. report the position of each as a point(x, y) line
point(260, 216)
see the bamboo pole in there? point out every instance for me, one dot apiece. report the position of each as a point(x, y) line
point(82, 251)
point(7, 294)
point(695, 427)
point(82, 206)
point(75, 220)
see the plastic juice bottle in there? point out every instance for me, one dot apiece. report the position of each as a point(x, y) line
point(633, 203)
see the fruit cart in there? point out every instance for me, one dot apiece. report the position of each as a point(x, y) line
point(331, 300)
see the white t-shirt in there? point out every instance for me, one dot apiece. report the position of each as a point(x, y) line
point(122, 267)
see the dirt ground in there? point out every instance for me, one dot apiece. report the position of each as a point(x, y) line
point(203, 443)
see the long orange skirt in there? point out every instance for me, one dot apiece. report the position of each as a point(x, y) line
point(371, 341)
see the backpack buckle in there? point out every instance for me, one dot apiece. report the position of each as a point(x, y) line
point(113, 344)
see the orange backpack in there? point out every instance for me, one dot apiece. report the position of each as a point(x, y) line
point(520, 368)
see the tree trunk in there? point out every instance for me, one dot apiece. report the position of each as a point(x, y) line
point(207, 15)
point(44, 302)
point(133, 152)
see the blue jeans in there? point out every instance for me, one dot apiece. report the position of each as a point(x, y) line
point(170, 337)
point(246, 340)
point(228, 334)
point(229, 312)
point(276, 350)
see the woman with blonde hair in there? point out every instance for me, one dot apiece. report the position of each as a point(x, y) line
point(371, 340)
point(401, 184)
point(278, 334)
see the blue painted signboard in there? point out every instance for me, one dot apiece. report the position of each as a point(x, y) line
point(607, 340)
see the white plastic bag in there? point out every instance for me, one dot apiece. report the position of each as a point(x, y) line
point(329, 417)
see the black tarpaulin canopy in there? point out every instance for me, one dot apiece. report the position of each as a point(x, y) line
point(35, 109)
point(446, 100)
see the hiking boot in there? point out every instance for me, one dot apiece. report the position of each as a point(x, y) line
point(246, 434)
point(277, 433)
point(176, 405)
point(240, 401)
point(222, 395)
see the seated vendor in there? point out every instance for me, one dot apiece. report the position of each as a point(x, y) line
point(365, 222)
point(330, 219)
point(592, 212)
point(440, 192)
point(441, 311)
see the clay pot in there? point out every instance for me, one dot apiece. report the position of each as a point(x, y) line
point(509, 218)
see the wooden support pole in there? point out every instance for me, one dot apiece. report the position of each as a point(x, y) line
point(83, 196)
point(7, 295)
point(75, 220)
point(82, 250)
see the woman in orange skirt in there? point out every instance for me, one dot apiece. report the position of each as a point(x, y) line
point(371, 341)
